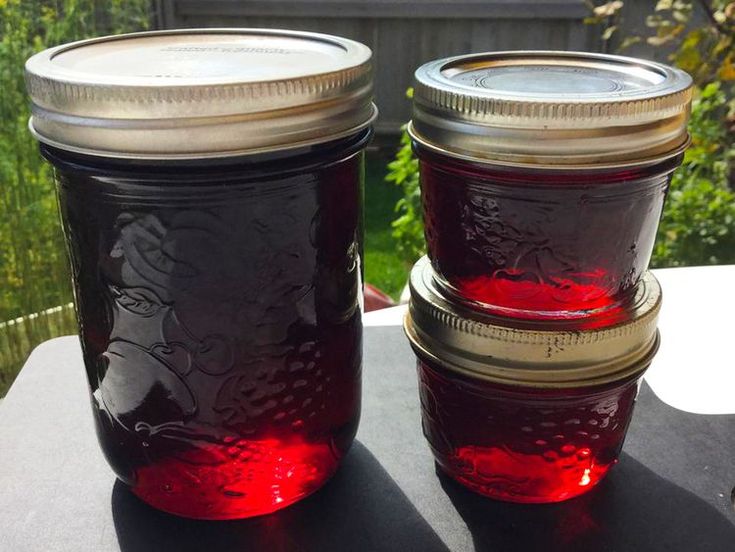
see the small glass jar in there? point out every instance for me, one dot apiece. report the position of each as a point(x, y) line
point(527, 414)
point(210, 187)
point(544, 174)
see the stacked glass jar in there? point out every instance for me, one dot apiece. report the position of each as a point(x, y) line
point(543, 178)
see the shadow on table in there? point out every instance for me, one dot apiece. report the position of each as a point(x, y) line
point(632, 509)
point(360, 509)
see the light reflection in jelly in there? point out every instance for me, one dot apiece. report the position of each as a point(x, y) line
point(523, 444)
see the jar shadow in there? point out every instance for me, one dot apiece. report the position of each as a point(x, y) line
point(360, 509)
point(632, 509)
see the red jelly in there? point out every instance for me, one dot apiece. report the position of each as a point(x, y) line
point(216, 259)
point(523, 444)
point(543, 176)
point(527, 414)
point(535, 244)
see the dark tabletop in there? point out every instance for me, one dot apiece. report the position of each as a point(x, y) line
point(671, 491)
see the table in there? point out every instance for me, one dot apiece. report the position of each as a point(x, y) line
point(671, 491)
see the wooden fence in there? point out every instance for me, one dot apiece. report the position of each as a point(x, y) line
point(18, 337)
point(403, 34)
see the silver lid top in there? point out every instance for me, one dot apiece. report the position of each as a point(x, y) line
point(199, 93)
point(551, 108)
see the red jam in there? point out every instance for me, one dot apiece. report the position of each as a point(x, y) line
point(219, 310)
point(540, 244)
point(523, 444)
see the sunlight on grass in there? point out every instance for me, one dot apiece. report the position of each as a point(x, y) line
point(383, 267)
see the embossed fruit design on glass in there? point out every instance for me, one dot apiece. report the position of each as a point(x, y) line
point(213, 222)
point(527, 414)
point(534, 445)
point(541, 245)
point(544, 174)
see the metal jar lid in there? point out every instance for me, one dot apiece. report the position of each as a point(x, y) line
point(527, 353)
point(199, 93)
point(551, 109)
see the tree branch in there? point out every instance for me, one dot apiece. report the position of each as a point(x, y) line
point(704, 4)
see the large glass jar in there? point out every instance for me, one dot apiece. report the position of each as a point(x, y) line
point(543, 176)
point(531, 413)
point(210, 186)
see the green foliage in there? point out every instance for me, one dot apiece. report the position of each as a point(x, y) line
point(698, 225)
point(709, 155)
point(697, 228)
point(707, 52)
point(384, 267)
point(408, 228)
point(33, 273)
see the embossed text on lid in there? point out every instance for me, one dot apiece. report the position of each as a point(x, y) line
point(201, 58)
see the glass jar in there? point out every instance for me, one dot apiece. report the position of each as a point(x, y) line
point(533, 413)
point(543, 176)
point(210, 187)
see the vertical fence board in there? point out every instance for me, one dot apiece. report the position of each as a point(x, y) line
point(401, 35)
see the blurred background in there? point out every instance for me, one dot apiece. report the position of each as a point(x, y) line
point(698, 225)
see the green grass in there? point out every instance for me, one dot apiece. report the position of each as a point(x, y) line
point(383, 267)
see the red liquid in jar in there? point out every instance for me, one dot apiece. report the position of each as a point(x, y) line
point(540, 244)
point(523, 444)
point(220, 321)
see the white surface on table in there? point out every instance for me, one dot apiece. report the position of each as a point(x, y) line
point(694, 369)
point(392, 316)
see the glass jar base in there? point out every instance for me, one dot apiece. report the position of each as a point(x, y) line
point(532, 301)
point(528, 479)
point(252, 481)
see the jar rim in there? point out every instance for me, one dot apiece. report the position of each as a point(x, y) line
point(540, 163)
point(280, 163)
point(532, 353)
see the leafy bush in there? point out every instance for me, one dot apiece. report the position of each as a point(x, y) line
point(706, 51)
point(408, 228)
point(33, 273)
point(698, 224)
